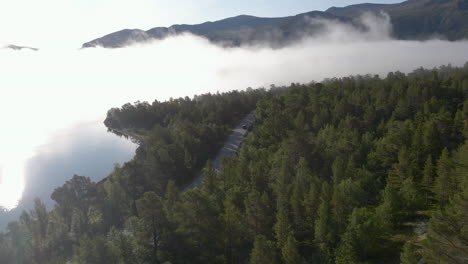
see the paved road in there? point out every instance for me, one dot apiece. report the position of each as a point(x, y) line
point(230, 147)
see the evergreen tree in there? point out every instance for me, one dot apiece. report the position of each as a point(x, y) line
point(299, 192)
point(344, 199)
point(282, 226)
point(406, 166)
point(234, 228)
point(283, 177)
point(445, 184)
point(386, 212)
point(447, 239)
point(409, 255)
point(339, 170)
point(209, 181)
point(171, 195)
point(290, 253)
point(429, 175)
point(151, 211)
point(263, 252)
point(364, 239)
point(312, 203)
point(323, 227)
point(346, 251)
point(258, 213)
point(411, 197)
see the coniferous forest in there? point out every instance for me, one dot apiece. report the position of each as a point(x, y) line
point(360, 169)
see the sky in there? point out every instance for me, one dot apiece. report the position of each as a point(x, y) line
point(69, 23)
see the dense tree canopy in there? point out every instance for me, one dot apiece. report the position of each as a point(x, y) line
point(352, 170)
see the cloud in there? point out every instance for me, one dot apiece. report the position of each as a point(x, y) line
point(45, 91)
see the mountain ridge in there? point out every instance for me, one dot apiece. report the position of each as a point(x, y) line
point(412, 19)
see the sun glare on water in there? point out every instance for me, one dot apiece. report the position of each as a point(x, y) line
point(11, 183)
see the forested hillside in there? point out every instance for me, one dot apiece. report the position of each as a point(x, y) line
point(352, 170)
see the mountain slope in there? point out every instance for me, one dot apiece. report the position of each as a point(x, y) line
point(235, 31)
point(418, 19)
point(412, 19)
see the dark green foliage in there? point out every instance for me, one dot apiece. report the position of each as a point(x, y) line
point(447, 240)
point(178, 136)
point(445, 184)
point(258, 213)
point(95, 251)
point(429, 175)
point(282, 226)
point(364, 239)
point(324, 236)
point(410, 254)
point(263, 251)
point(352, 170)
point(151, 212)
point(289, 252)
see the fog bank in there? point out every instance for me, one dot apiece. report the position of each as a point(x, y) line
point(49, 90)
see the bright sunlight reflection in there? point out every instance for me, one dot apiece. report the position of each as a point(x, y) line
point(11, 181)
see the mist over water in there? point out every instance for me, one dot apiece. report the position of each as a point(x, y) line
point(49, 92)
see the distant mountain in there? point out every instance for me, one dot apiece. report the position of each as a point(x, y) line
point(232, 31)
point(15, 47)
point(418, 19)
point(412, 19)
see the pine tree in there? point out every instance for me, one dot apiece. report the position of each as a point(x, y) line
point(428, 178)
point(170, 197)
point(338, 169)
point(447, 239)
point(263, 252)
point(445, 184)
point(282, 185)
point(301, 181)
point(290, 253)
point(406, 166)
point(346, 252)
point(323, 228)
point(410, 196)
point(363, 239)
point(345, 198)
point(312, 203)
point(234, 228)
point(151, 211)
point(209, 181)
point(432, 140)
point(258, 213)
point(282, 226)
point(387, 211)
point(409, 255)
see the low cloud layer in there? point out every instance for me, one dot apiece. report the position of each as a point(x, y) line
point(48, 90)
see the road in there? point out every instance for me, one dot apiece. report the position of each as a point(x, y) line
point(230, 148)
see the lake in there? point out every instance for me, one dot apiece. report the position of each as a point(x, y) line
point(85, 149)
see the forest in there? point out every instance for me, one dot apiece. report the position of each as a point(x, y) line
point(361, 169)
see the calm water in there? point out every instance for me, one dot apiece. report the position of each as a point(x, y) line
point(85, 149)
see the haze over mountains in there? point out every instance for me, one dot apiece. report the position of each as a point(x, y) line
point(411, 20)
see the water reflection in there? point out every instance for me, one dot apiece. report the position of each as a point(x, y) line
point(84, 149)
point(11, 188)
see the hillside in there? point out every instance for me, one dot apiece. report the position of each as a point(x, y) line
point(418, 19)
point(235, 31)
point(350, 170)
point(413, 19)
